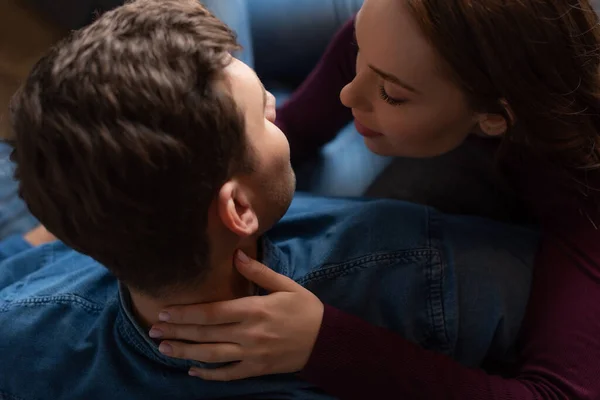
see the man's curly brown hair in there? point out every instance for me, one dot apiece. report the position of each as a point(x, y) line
point(124, 134)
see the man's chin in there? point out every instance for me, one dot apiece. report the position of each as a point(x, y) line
point(277, 209)
point(285, 205)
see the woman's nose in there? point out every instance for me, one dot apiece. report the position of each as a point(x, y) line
point(354, 96)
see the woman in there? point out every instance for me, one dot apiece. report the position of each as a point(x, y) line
point(429, 74)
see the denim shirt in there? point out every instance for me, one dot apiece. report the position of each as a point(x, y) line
point(452, 284)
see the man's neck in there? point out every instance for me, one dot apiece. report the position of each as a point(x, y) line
point(224, 283)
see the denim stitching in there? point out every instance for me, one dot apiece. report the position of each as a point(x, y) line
point(272, 252)
point(128, 335)
point(131, 336)
point(341, 269)
point(405, 256)
point(66, 299)
point(129, 332)
point(436, 275)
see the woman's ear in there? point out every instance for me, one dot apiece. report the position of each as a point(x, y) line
point(497, 124)
point(493, 125)
point(236, 211)
point(509, 112)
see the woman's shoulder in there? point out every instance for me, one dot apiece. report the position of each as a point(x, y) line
point(570, 223)
point(566, 207)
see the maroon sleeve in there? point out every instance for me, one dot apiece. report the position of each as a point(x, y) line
point(560, 340)
point(314, 114)
point(559, 344)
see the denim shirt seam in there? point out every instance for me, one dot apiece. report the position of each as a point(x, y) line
point(272, 258)
point(70, 299)
point(131, 338)
point(338, 269)
point(135, 336)
point(436, 279)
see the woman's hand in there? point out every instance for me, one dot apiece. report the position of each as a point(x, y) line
point(263, 334)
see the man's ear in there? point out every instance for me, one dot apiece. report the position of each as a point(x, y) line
point(235, 209)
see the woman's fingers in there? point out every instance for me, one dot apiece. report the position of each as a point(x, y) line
point(225, 312)
point(195, 333)
point(262, 334)
point(224, 374)
point(233, 311)
point(209, 353)
point(264, 276)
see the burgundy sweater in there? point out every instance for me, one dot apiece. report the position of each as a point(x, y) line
point(560, 341)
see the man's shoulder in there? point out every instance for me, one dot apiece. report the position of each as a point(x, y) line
point(52, 272)
point(51, 286)
point(350, 228)
point(53, 302)
point(326, 238)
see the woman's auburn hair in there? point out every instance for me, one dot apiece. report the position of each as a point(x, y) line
point(541, 58)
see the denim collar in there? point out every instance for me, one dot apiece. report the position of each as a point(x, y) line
point(137, 337)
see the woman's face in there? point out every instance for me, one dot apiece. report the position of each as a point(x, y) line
point(402, 102)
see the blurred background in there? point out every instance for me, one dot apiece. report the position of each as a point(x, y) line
point(268, 30)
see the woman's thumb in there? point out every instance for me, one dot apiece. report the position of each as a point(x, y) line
point(262, 275)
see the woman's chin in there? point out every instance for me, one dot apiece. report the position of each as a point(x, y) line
point(383, 148)
point(378, 146)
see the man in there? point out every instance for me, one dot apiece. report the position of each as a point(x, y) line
point(143, 145)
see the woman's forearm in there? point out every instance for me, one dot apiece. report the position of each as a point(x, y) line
point(559, 346)
point(314, 114)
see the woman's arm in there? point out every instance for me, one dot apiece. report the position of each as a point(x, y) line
point(559, 347)
point(314, 114)
point(279, 333)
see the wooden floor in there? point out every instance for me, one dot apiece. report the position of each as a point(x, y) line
point(24, 38)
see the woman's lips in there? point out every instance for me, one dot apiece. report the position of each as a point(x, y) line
point(366, 132)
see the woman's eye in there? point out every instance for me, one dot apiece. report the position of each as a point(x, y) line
point(390, 100)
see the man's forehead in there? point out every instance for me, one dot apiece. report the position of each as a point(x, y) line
point(241, 74)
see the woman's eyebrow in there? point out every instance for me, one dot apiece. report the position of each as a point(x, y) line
point(393, 79)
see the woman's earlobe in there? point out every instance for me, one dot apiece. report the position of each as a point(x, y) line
point(493, 125)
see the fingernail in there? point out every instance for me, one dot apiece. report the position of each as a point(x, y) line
point(155, 333)
point(242, 257)
point(164, 316)
point(193, 372)
point(166, 349)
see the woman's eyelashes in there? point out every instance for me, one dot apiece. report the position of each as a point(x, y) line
point(386, 97)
